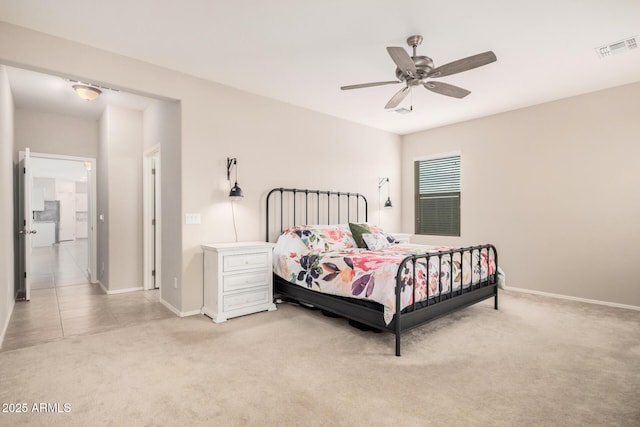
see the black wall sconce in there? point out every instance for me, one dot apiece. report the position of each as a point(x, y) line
point(381, 182)
point(236, 192)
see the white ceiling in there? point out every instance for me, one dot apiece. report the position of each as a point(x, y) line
point(301, 52)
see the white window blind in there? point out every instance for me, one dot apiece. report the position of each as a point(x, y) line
point(438, 196)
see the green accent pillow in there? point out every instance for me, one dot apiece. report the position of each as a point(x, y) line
point(357, 230)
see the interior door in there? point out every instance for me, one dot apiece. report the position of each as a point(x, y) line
point(25, 223)
point(154, 222)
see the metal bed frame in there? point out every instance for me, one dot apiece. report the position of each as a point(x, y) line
point(370, 313)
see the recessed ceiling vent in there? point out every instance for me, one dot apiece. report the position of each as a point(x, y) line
point(618, 47)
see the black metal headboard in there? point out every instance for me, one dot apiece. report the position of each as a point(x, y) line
point(302, 206)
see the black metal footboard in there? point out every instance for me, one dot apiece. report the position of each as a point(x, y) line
point(483, 287)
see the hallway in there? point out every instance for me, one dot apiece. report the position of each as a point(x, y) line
point(61, 264)
point(65, 304)
point(61, 312)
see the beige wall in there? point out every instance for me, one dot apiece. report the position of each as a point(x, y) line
point(555, 187)
point(276, 145)
point(7, 149)
point(121, 147)
point(161, 122)
point(56, 133)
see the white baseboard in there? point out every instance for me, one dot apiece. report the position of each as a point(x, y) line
point(190, 313)
point(122, 291)
point(163, 302)
point(119, 291)
point(178, 312)
point(571, 298)
point(6, 322)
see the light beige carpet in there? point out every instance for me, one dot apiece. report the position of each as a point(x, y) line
point(536, 361)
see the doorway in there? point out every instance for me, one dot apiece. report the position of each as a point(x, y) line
point(151, 218)
point(60, 211)
point(60, 120)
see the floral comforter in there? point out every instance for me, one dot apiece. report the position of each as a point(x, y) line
point(371, 275)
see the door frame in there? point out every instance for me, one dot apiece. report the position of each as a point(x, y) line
point(92, 214)
point(152, 242)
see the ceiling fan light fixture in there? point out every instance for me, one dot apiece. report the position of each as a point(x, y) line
point(88, 93)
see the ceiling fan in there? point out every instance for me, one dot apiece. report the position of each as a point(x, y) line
point(419, 70)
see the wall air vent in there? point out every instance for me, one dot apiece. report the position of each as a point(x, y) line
point(621, 46)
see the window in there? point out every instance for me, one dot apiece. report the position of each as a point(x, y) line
point(437, 199)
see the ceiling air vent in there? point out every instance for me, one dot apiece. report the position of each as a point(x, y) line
point(618, 47)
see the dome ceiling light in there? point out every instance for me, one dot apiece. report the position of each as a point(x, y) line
point(86, 92)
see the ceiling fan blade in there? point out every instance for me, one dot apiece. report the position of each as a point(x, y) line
point(447, 89)
point(397, 98)
point(369, 85)
point(402, 60)
point(464, 64)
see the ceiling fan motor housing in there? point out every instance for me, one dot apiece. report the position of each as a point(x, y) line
point(424, 65)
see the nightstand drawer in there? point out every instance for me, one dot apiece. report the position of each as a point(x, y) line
point(235, 282)
point(245, 299)
point(245, 261)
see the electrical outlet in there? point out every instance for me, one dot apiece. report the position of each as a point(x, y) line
point(175, 283)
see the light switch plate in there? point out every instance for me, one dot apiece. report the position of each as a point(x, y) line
point(192, 219)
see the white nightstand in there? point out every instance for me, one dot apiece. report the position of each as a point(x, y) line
point(238, 279)
point(402, 237)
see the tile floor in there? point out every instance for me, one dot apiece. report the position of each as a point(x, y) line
point(60, 308)
point(62, 264)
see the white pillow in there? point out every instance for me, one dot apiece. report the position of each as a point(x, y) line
point(375, 241)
